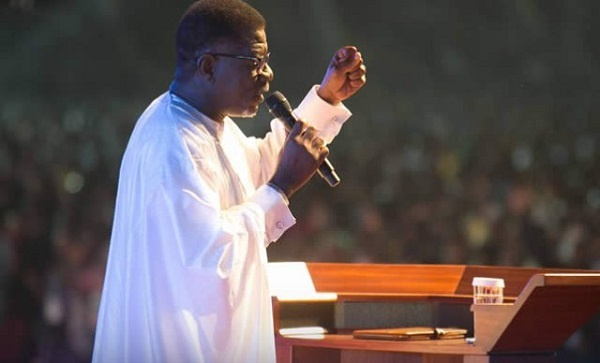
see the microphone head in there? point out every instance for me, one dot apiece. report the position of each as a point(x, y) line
point(278, 105)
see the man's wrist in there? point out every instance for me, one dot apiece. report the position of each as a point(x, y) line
point(280, 191)
point(327, 96)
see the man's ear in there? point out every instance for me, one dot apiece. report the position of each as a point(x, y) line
point(205, 66)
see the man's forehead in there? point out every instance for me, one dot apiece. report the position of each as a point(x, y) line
point(255, 40)
point(258, 35)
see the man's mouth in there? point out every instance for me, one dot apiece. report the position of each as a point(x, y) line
point(260, 96)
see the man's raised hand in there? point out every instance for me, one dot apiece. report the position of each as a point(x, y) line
point(345, 75)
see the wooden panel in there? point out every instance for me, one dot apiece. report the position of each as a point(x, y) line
point(346, 341)
point(313, 355)
point(385, 278)
point(518, 358)
point(345, 349)
point(552, 314)
point(283, 352)
point(363, 356)
point(548, 310)
point(523, 358)
point(572, 279)
point(421, 280)
point(515, 278)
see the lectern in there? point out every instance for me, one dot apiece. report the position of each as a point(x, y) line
point(316, 307)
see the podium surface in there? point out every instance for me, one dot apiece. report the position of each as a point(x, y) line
point(526, 329)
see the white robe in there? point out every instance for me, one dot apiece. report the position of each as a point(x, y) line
point(186, 273)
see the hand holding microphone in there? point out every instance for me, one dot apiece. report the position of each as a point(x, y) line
point(295, 167)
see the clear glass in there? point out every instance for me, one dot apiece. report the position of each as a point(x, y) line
point(488, 291)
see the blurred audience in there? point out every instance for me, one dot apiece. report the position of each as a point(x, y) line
point(525, 202)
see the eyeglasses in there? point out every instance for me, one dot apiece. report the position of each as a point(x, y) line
point(258, 63)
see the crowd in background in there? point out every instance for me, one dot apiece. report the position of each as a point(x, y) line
point(411, 197)
point(489, 202)
point(475, 141)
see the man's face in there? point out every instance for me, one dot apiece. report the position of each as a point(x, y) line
point(240, 83)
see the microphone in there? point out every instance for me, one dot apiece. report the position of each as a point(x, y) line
point(280, 108)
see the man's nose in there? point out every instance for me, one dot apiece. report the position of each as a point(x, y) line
point(267, 72)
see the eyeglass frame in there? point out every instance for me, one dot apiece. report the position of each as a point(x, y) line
point(260, 63)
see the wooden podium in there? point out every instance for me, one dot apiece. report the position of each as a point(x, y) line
point(313, 323)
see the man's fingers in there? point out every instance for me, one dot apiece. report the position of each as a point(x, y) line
point(344, 54)
point(310, 138)
point(358, 78)
point(357, 71)
point(348, 58)
point(358, 83)
point(356, 75)
point(323, 153)
point(318, 143)
point(298, 128)
point(309, 133)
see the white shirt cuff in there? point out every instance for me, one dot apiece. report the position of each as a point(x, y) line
point(321, 115)
point(278, 217)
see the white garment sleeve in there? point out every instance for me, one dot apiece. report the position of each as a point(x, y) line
point(278, 217)
point(326, 118)
point(207, 236)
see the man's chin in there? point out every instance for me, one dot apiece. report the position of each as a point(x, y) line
point(250, 112)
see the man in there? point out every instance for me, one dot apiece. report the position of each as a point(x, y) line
point(199, 202)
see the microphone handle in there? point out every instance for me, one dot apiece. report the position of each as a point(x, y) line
point(325, 170)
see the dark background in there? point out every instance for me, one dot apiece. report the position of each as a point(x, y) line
point(475, 141)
